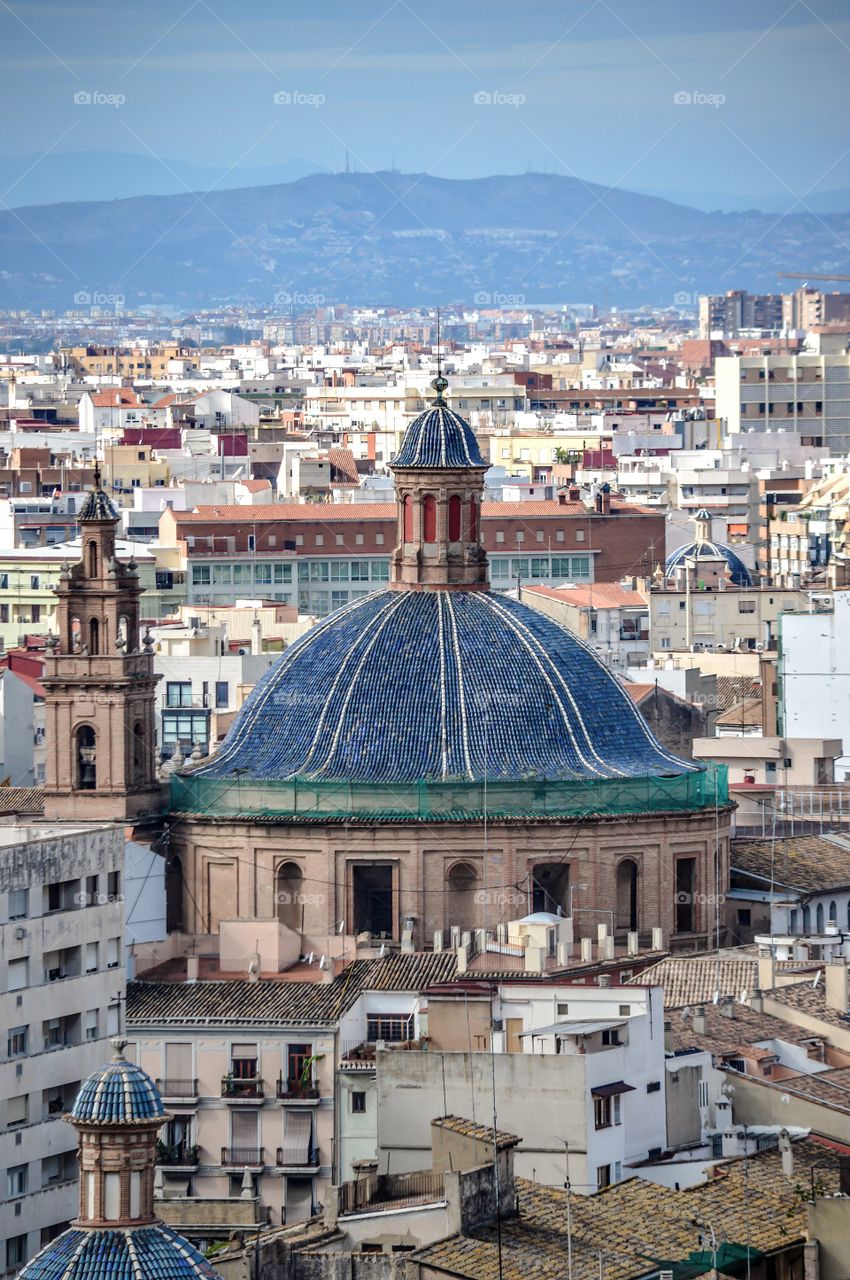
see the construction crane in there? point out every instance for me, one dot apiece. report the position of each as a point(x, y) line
point(789, 275)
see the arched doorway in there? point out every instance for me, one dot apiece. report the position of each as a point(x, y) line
point(627, 896)
point(290, 896)
point(550, 887)
point(86, 762)
point(460, 897)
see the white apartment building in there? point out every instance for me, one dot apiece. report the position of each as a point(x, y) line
point(62, 986)
point(814, 672)
point(203, 683)
point(708, 618)
point(806, 393)
point(591, 1058)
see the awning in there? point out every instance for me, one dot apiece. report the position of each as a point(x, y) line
point(297, 1133)
point(611, 1090)
point(575, 1028)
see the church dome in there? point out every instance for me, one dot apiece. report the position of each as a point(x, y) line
point(144, 1253)
point(738, 571)
point(119, 1093)
point(438, 686)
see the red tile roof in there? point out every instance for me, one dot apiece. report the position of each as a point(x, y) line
point(601, 595)
point(123, 396)
point(255, 486)
point(387, 511)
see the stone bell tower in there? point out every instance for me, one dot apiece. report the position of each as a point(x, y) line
point(99, 685)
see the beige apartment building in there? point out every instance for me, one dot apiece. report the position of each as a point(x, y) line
point(705, 618)
point(805, 393)
point(62, 985)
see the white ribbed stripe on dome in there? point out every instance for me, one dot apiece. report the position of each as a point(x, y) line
point(396, 601)
point(288, 661)
point(74, 1259)
point(536, 652)
point(138, 1269)
point(460, 686)
point(636, 715)
point(444, 755)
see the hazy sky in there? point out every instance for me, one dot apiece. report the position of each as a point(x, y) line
point(460, 89)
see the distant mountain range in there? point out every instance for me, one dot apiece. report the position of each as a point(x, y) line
point(401, 239)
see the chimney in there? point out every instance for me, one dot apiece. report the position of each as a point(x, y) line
point(836, 985)
point(191, 968)
point(605, 500)
point(657, 938)
point(787, 1153)
point(767, 976)
point(699, 1021)
point(757, 1001)
point(562, 499)
point(632, 943)
point(586, 950)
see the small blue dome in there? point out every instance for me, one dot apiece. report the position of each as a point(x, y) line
point(436, 686)
point(119, 1093)
point(142, 1253)
point(439, 437)
point(97, 506)
point(738, 571)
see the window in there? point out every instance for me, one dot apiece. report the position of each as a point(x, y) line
point(201, 575)
point(610, 1036)
point(16, 1111)
point(746, 606)
point(339, 571)
point(16, 1252)
point(625, 1010)
point(615, 1109)
point(91, 959)
point(18, 974)
point(703, 1093)
point(500, 536)
point(654, 1086)
point(358, 1101)
point(601, 1113)
point(391, 1027)
point(222, 693)
point(603, 1176)
point(18, 904)
point(16, 1042)
point(320, 539)
point(91, 1022)
point(35, 582)
point(112, 952)
point(17, 1178)
point(185, 728)
point(178, 693)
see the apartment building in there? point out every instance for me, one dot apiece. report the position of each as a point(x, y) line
point(62, 986)
point(731, 313)
point(809, 394)
point(721, 616)
point(29, 575)
point(611, 617)
point(321, 556)
point(810, 540)
point(203, 684)
point(814, 672)
point(592, 1058)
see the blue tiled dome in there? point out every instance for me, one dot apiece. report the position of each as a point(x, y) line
point(119, 1093)
point(738, 571)
point(408, 686)
point(142, 1253)
point(97, 506)
point(439, 437)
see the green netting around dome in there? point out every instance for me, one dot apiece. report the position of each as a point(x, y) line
point(312, 801)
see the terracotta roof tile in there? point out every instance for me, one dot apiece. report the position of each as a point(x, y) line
point(809, 864)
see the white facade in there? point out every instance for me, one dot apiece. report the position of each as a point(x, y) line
point(21, 737)
point(814, 674)
point(61, 990)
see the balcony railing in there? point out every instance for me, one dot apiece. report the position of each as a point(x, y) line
point(295, 1091)
point(240, 1157)
point(177, 1153)
point(178, 1088)
point(286, 1160)
point(245, 1087)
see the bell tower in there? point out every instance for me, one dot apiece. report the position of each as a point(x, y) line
point(99, 686)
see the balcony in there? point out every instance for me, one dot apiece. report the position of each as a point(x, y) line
point(178, 1090)
point(295, 1091)
point(288, 1160)
point(242, 1157)
point(177, 1155)
point(242, 1089)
